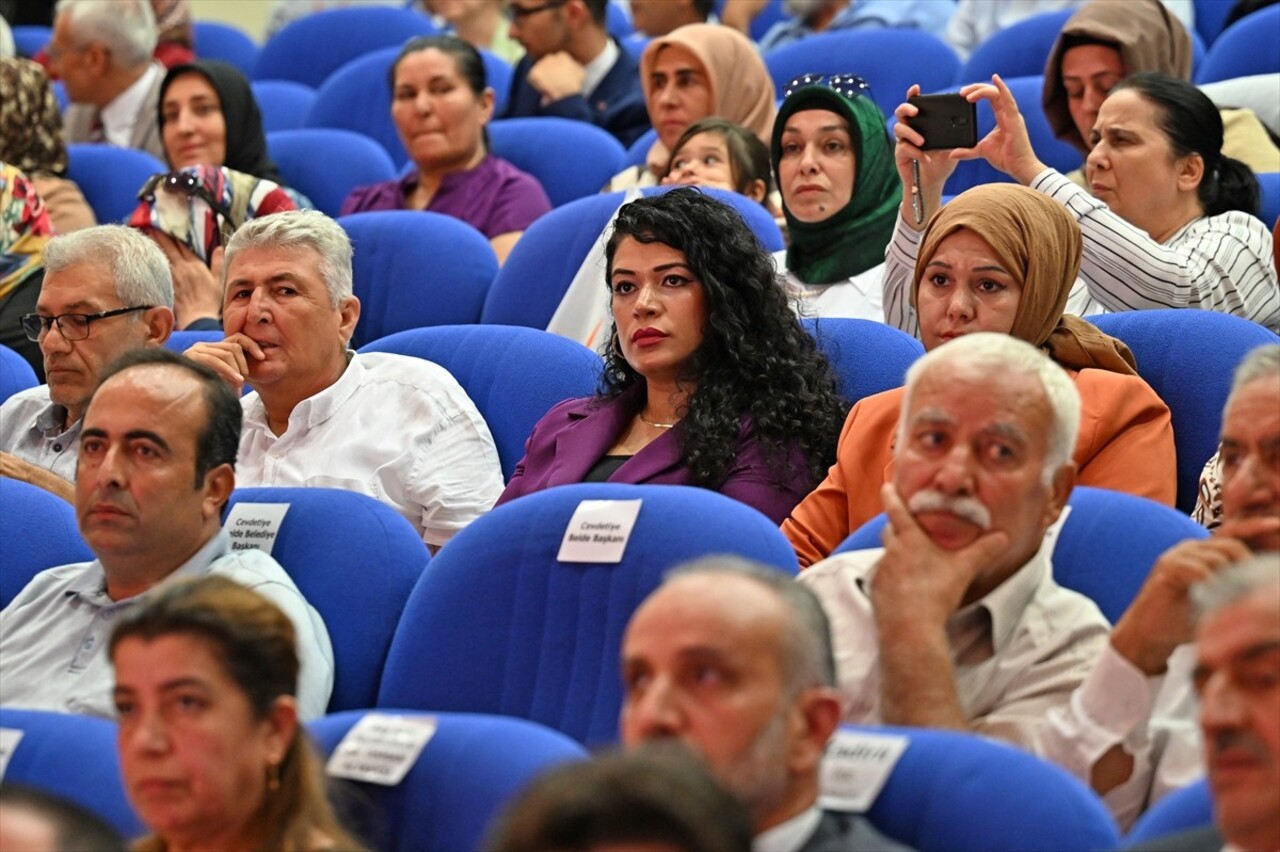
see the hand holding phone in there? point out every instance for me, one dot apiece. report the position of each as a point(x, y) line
point(945, 121)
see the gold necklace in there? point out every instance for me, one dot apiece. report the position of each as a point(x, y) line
point(649, 422)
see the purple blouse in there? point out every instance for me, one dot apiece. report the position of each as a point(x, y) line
point(494, 198)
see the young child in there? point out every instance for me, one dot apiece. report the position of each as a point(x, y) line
point(719, 153)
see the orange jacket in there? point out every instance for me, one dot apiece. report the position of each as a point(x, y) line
point(1125, 444)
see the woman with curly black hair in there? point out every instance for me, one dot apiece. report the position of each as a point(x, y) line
point(709, 378)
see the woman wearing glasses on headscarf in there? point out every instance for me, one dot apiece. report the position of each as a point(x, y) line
point(694, 72)
point(31, 140)
point(834, 167)
point(1001, 258)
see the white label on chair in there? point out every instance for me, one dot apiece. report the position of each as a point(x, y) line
point(254, 526)
point(9, 738)
point(599, 531)
point(381, 748)
point(855, 768)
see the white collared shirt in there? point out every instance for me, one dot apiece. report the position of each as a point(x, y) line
point(396, 428)
point(120, 116)
point(859, 297)
point(595, 70)
point(790, 835)
point(1017, 652)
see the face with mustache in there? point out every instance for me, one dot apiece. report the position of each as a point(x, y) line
point(972, 459)
point(1251, 457)
point(1238, 678)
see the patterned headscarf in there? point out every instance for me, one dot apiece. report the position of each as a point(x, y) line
point(190, 217)
point(851, 240)
point(741, 88)
point(24, 229)
point(30, 122)
point(1040, 245)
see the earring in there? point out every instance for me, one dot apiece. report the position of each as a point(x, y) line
point(273, 777)
point(616, 345)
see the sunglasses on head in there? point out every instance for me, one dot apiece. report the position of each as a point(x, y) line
point(849, 85)
point(187, 183)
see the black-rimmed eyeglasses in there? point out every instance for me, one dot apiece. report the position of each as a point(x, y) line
point(515, 13)
point(849, 85)
point(71, 326)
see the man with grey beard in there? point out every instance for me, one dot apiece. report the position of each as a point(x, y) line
point(734, 660)
point(957, 622)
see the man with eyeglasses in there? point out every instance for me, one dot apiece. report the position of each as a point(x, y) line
point(103, 51)
point(106, 291)
point(573, 68)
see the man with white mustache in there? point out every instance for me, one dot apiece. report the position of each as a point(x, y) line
point(957, 622)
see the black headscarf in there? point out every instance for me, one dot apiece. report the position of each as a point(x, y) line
point(246, 142)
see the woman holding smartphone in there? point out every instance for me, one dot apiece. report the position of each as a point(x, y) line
point(1168, 220)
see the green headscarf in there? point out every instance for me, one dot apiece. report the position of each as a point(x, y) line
point(853, 239)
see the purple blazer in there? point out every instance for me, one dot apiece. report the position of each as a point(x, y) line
point(572, 437)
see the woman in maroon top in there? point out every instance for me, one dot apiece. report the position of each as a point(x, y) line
point(440, 105)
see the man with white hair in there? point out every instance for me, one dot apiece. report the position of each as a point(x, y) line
point(102, 50)
point(106, 291)
point(1130, 729)
point(957, 621)
point(396, 428)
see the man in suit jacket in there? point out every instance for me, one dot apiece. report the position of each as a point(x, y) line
point(102, 52)
point(1237, 676)
point(573, 69)
point(734, 660)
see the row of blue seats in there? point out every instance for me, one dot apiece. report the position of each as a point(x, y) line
point(949, 791)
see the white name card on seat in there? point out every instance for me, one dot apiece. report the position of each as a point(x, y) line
point(599, 531)
point(381, 748)
point(9, 739)
point(855, 768)
point(254, 526)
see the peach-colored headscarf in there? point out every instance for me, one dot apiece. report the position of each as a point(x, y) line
point(741, 88)
point(1039, 243)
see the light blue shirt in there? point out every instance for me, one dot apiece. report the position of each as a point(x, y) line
point(928, 15)
point(54, 634)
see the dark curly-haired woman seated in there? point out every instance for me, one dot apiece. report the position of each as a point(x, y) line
point(709, 378)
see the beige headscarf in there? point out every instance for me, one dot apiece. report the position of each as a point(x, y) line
point(741, 88)
point(1039, 243)
point(1145, 32)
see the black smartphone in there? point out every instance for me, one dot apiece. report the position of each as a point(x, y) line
point(945, 121)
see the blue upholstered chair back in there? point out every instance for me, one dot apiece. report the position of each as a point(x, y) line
point(355, 560)
point(75, 758)
point(1188, 356)
point(1182, 810)
point(325, 164)
point(284, 104)
point(952, 792)
point(110, 177)
point(514, 375)
point(311, 48)
point(15, 373)
point(571, 159)
point(867, 357)
point(1245, 48)
point(1106, 547)
point(1018, 50)
point(38, 531)
point(472, 766)
point(497, 625)
point(227, 43)
point(890, 59)
point(414, 269)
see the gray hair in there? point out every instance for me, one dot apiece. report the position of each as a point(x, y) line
point(1004, 355)
point(1235, 583)
point(127, 28)
point(297, 229)
point(807, 658)
point(1260, 363)
point(136, 265)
